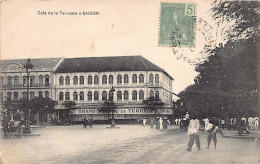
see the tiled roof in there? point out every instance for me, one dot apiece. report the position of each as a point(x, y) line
point(107, 64)
point(39, 64)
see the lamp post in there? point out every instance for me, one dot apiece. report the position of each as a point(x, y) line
point(27, 66)
point(111, 94)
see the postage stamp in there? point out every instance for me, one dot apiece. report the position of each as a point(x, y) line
point(177, 24)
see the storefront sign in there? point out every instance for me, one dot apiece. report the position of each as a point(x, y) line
point(122, 111)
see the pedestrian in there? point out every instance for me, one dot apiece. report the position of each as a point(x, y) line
point(176, 121)
point(160, 123)
point(251, 122)
point(5, 124)
point(206, 122)
point(85, 122)
point(144, 121)
point(222, 123)
point(256, 122)
point(212, 130)
point(193, 132)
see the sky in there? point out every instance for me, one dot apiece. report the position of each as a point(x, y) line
point(122, 28)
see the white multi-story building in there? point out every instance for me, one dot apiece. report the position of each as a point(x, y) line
point(87, 82)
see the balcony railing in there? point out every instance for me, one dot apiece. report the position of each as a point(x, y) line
point(25, 85)
point(151, 84)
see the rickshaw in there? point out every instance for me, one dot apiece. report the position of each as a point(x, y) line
point(14, 129)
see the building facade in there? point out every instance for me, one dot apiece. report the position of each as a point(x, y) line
point(87, 82)
point(13, 79)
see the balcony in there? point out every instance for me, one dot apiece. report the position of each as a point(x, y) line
point(154, 85)
point(10, 86)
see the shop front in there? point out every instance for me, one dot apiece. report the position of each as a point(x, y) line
point(121, 115)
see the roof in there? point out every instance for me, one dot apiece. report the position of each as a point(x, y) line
point(39, 64)
point(108, 64)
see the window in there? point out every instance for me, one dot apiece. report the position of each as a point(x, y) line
point(141, 95)
point(47, 80)
point(96, 80)
point(1, 81)
point(67, 80)
point(32, 81)
point(9, 81)
point(134, 78)
point(89, 96)
point(125, 95)
point(81, 96)
point(89, 79)
point(67, 96)
point(61, 96)
point(2, 96)
point(32, 95)
point(81, 80)
point(125, 78)
point(110, 79)
point(61, 81)
point(16, 95)
point(24, 95)
point(75, 96)
point(95, 95)
point(24, 81)
point(151, 78)
point(9, 95)
point(16, 78)
point(75, 80)
point(41, 80)
point(156, 78)
point(104, 79)
point(40, 93)
point(119, 79)
point(119, 95)
point(157, 94)
point(151, 94)
point(141, 78)
point(104, 95)
point(47, 94)
point(134, 95)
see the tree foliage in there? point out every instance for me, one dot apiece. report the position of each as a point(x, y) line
point(227, 81)
point(153, 104)
point(108, 107)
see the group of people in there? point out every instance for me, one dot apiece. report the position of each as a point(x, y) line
point(211, 126)
point(159, 122)
point(251, 122)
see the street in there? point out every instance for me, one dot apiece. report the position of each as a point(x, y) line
point(127, 144)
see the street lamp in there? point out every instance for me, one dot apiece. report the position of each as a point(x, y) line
point(111, 94)
point(27, 66)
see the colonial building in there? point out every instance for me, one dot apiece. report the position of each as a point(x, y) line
point(87, 82)
point(13, 78)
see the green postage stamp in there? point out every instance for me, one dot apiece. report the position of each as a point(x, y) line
point(177, 24)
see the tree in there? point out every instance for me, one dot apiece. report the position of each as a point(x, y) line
point(69, 105)
point(108, 107)
point(42, 106)
point(153, 104)
point(227, 81)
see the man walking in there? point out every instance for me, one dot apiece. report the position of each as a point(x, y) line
point(193, 132)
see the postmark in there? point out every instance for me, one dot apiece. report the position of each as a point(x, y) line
point(177, 24)
point(200, 53)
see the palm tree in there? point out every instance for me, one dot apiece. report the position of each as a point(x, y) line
point(108, 107)
point(153, 104)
